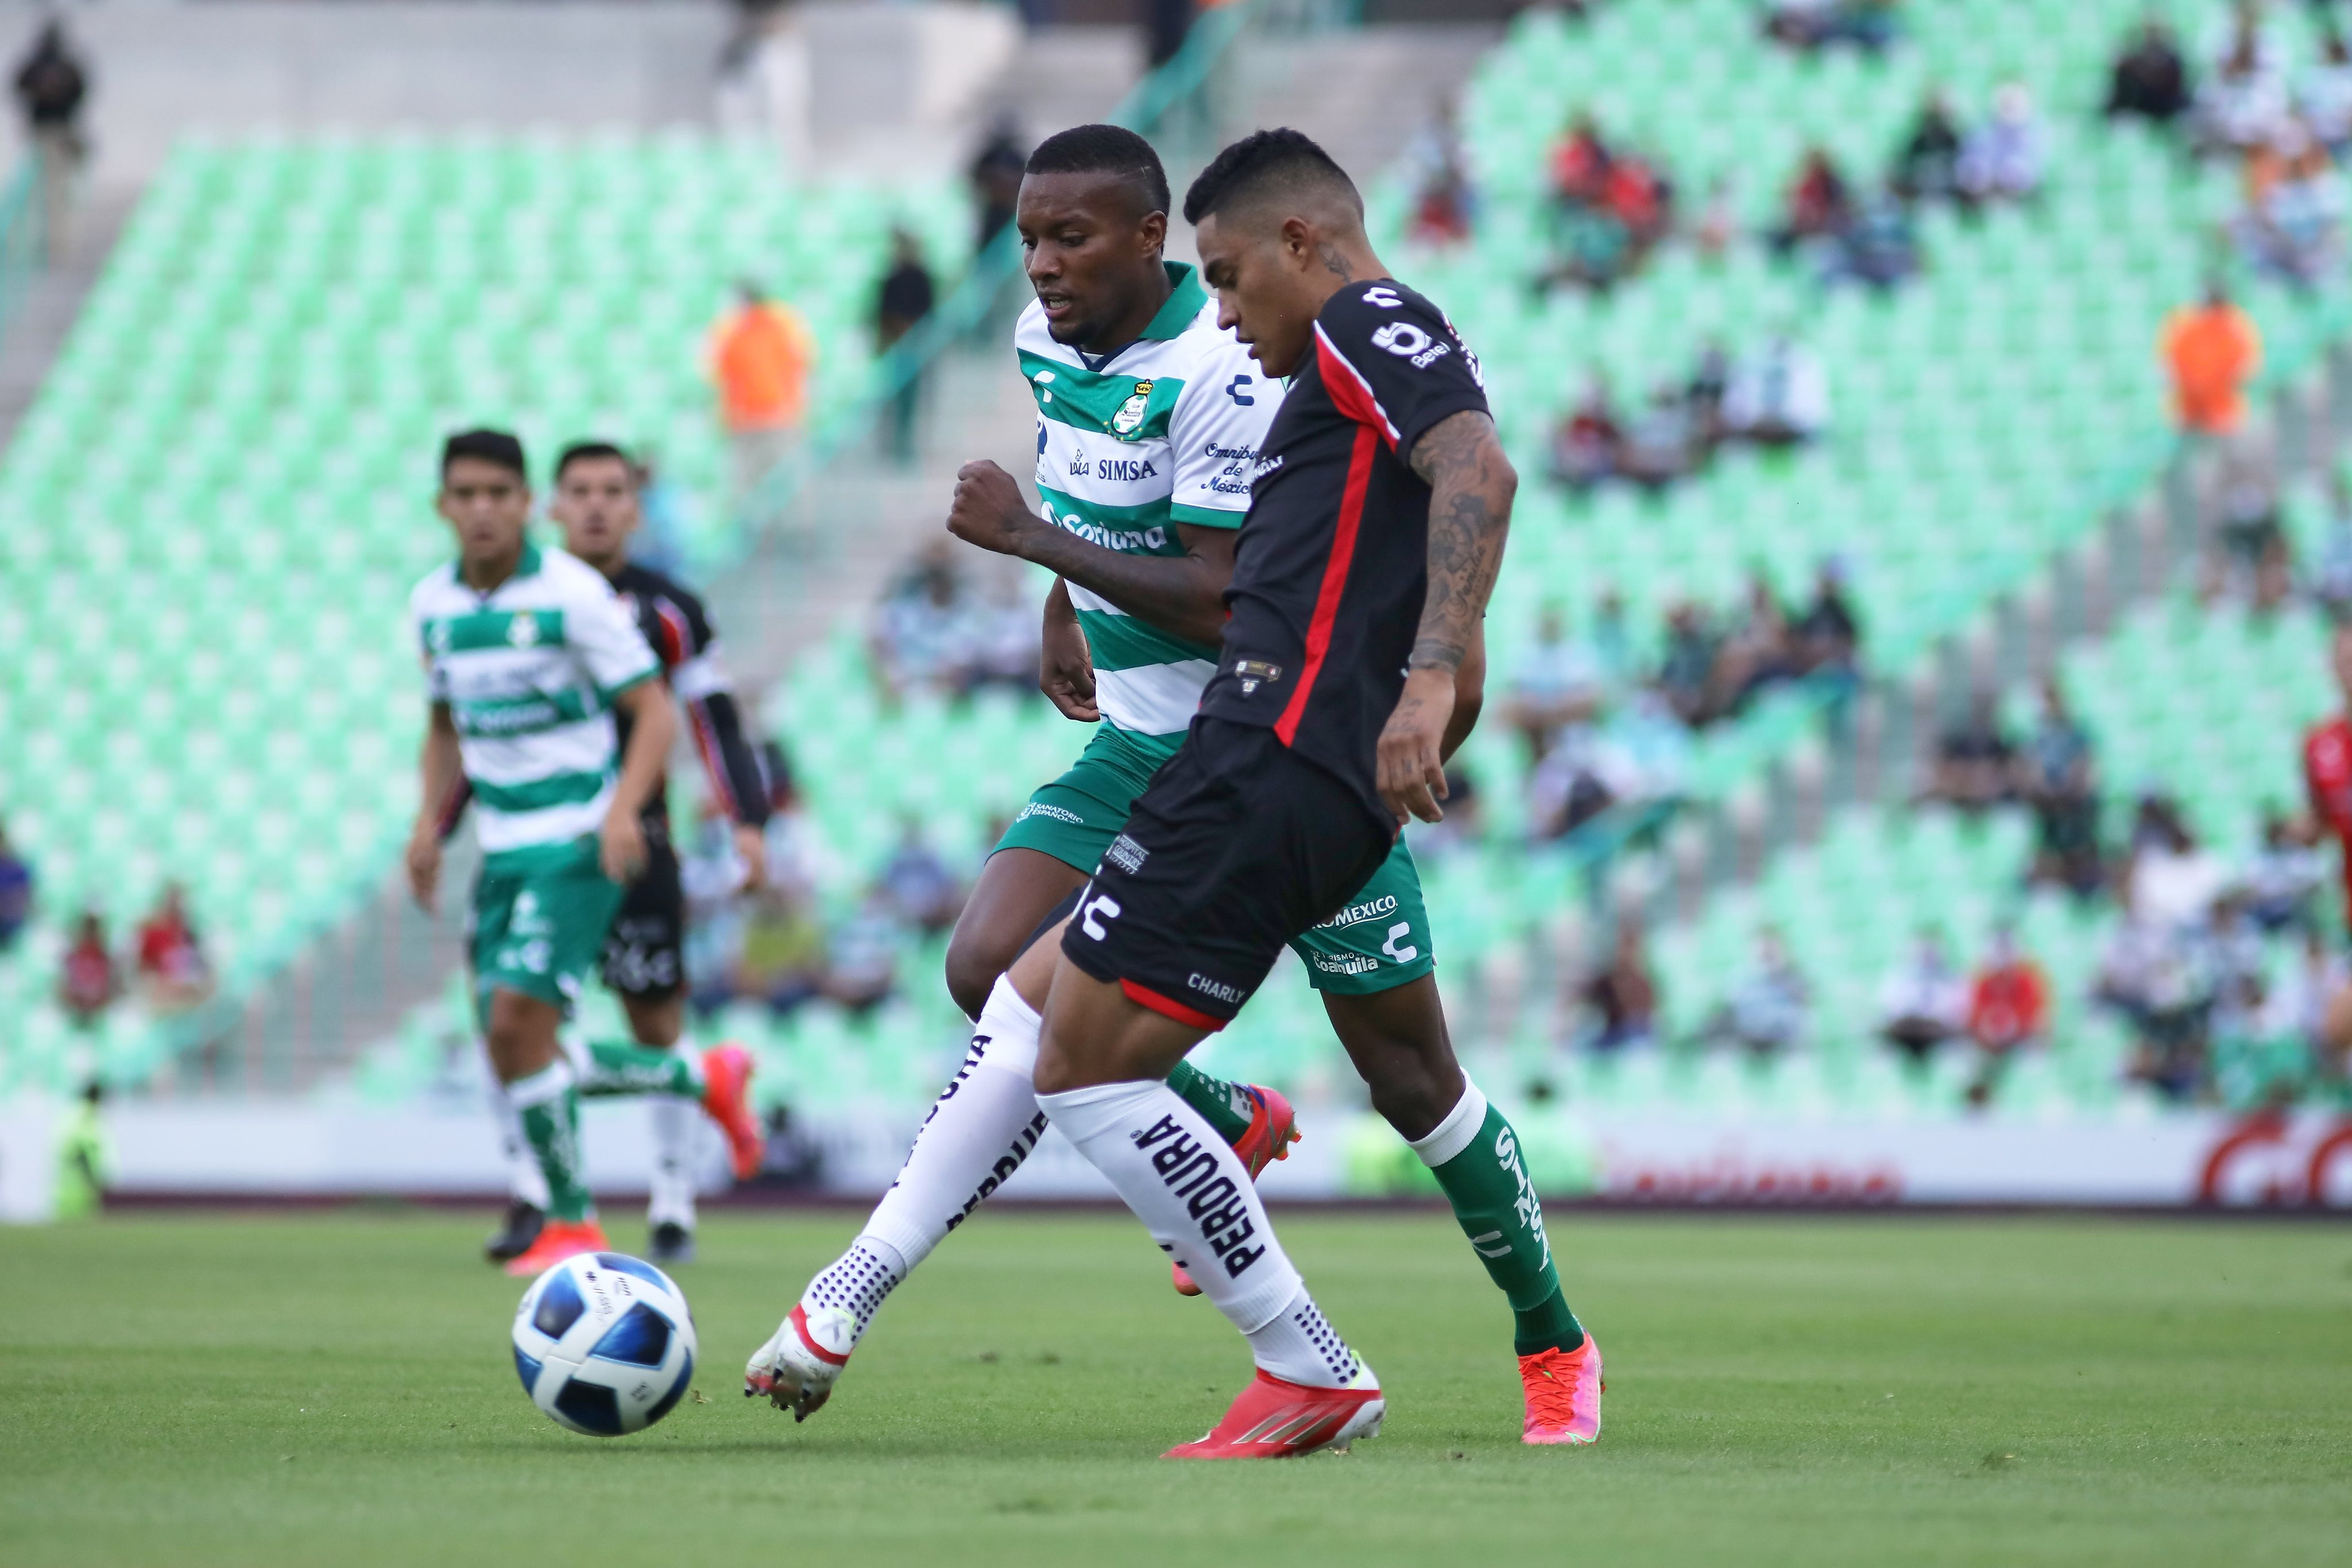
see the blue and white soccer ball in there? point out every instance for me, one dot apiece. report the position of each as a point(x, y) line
point(604, 1344)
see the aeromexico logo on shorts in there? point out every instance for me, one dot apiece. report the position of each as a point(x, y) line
point(1190, 1172)
point(1126, 854)
point(1370, 909)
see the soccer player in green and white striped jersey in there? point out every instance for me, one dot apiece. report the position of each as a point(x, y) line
point(527, 657)
point(1150, 421)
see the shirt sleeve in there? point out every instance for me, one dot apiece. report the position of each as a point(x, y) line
point(1215, 433)
point(1392, 360)
point(436, 681)
point(605, 637)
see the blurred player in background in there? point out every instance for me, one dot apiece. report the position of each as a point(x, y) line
point(529, 658)
point(1151, 420)
point(596, 505)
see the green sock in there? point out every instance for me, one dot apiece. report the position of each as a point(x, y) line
point(1227, 1106)
point(618, 1068)
point(1487, 1182)
point(549, 1105)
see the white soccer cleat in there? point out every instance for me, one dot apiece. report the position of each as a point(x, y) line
point(797, 1369)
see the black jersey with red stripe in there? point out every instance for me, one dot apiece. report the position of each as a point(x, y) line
point(677, 629)
point(1332, 566)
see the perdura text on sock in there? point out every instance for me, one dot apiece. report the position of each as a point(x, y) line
point(1186, 1169)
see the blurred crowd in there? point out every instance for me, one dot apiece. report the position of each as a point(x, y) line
point(1776, 397)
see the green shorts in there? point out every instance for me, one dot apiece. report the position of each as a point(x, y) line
point(539, 916)
point(1379, 942)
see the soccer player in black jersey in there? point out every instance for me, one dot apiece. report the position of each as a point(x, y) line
point(1379, 511)
point(596, 506)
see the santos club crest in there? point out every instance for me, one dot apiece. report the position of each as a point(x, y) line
point(1129, 417)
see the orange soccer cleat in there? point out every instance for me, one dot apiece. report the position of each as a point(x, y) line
point(1272, 1128)
point(1274, 1419)
point(558, 1239)
point(727, 1100)
point(1563, 1389)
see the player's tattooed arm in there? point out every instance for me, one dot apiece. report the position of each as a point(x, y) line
point(1471, 485)
point(1181, 595)
point(1471, 488)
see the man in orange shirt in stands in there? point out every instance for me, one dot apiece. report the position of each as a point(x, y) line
point(761, 354)
point(2212, 350)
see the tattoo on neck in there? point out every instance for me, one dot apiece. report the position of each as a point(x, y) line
point(1334, 262)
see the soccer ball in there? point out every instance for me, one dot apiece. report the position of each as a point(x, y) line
point(604, 1343)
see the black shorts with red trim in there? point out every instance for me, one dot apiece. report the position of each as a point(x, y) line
point(645, 949)
point(1238, 845)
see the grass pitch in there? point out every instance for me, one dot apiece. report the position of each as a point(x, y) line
point(1819, 1391)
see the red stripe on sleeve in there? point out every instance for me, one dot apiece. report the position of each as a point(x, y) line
point(1335, 582)
point(673, 624)
point(714, 762)
point(1351, 394)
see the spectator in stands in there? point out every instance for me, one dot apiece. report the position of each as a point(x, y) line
point(1004, 640)
point(2212, 350)
point(1584, 447)
point(1826, 640)
point(172, 970)
point(1922, 1002)
point(2003, 158)
point(1815, 23)
point(1566, 789)
point(921, 636)
point(2283, 877)
point(1756, 650)
point(2331, 566)
point(1687, 672)
point(2291, 226)
point(16, 893)
point(1437, 171)
point(2150, 79)
point(88, 981)
point(995, 179)
point(1661, 444)
point(51, 84)
point(1974, 760)
point(1878, 249)
point(2173, 881)
point(781, 958)
point(903, 299)
point(2009, 1009)
point(1622, 993)
point(2057, 776)
point(1710, 379)
point(2160, 984)
point(1642, 752)
point(1578, 164)
point(916, 885)
point(1928, 169)
point(2245, 101)
point(760, 355)
point(1769, 1008)
point(1820, 204)
point(862, 955)
point(1779, 397)
point(1558, 682)
point(2325, 96)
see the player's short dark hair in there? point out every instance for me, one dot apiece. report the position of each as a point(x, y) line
point(1105, 150)
point(1262, 162)
point(592, 452)
point(498, 446)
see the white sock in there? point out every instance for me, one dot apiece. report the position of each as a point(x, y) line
point(982, 1126)
point(1195, 1196)
point(526, 1183)
point(677, 1125)
point(1299, 1345)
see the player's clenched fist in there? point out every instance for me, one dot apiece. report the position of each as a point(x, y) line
point(988, 510)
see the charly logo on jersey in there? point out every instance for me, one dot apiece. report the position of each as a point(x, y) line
point(1129, 417)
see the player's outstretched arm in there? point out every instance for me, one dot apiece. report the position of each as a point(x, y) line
point(652, 727)
point(441, 773)
point(1472, 484)
point(1184, 596)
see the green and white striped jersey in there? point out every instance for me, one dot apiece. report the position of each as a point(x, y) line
point(1165, 432)
point(529, 671)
